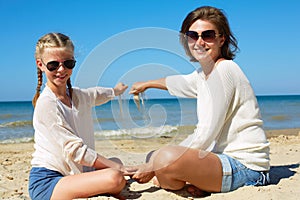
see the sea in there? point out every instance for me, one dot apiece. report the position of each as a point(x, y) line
point(122, 118)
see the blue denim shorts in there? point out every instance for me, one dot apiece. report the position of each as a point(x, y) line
point(236, 175)
point(42, 182)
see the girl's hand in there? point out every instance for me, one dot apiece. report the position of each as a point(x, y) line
point(129, 170)
point(120, 89)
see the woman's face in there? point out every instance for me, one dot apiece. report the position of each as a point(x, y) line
point(59, 76)
point(208, 46)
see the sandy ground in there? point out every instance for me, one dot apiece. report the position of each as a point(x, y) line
point(285, 170)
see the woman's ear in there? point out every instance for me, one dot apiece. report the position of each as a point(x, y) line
point(222, 40)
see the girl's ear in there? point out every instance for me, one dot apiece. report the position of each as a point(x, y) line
point(39, 64)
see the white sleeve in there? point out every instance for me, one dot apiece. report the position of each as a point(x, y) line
point(183, 85)
point(95, 96)
point(213, 101)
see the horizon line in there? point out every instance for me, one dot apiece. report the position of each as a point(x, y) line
point(171, 97)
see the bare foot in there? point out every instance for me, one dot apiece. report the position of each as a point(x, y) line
point(196, 192)
point(155, 181)
point(120, 197)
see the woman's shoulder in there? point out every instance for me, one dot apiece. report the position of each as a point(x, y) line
point(229, 66)
point(230, 69)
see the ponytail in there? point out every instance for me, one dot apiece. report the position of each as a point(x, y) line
point(38, 88)
point(70, 87)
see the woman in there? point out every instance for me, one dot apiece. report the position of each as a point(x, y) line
point(64, 159)
point(228, 149)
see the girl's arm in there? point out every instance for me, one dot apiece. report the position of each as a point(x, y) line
point(101, 163)
point(119, 89)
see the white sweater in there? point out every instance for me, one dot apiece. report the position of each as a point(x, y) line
point(229, 119)
point(64, 137)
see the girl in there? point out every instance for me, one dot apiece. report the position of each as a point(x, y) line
point(64, 159)
point(228, 149)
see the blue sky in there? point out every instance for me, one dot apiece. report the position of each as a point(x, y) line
point(267, 32)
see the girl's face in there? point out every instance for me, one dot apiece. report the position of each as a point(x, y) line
point(208, 46)
point(58, 77)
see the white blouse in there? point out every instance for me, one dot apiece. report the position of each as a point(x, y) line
point(64, 136)
point(229, 119)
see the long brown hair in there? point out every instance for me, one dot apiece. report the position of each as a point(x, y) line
point(47, 41)
point(216, 17)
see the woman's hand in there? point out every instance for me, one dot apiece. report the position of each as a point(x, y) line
point(138, 87)
point(120, 89)
point(143, 173)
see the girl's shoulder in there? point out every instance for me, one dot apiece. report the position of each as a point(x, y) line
point(45, 106)
point(46, 97)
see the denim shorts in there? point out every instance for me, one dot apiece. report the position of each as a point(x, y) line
point(236, 175)
point(42, 182)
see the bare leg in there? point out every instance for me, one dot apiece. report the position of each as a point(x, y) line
point(175, 166)
point(89, 184)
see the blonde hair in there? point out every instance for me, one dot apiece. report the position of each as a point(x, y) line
point(50, 40)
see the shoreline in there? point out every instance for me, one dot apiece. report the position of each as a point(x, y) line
point(284, 156)
point(183, 133)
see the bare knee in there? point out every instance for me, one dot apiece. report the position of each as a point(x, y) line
point(167, 179)
point(167, 169)
point(167, 156)
point(116, 181)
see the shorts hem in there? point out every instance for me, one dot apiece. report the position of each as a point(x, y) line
point(42, 182)
point(227, 173)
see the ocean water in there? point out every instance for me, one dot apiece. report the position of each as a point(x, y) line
point(155, 118)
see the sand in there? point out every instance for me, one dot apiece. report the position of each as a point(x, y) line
point(285, 170)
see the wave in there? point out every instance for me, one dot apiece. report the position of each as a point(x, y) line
point(134, 133)
point(141, 132)
point(280, 118)
point(6, 116)
point(114, 119)
point(16, 124)
point(17, 140)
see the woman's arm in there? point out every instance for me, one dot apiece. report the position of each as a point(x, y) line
point(139, 87)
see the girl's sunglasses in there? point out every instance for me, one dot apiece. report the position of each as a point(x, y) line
point(54, 65)
point(207, 36)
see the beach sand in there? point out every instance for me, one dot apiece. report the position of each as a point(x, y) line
point(285, 170)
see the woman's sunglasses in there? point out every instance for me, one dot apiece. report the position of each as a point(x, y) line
point(54, 65)
point(207, 36)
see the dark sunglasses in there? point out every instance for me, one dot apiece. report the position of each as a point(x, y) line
point(207, 36)
point(54, 65)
